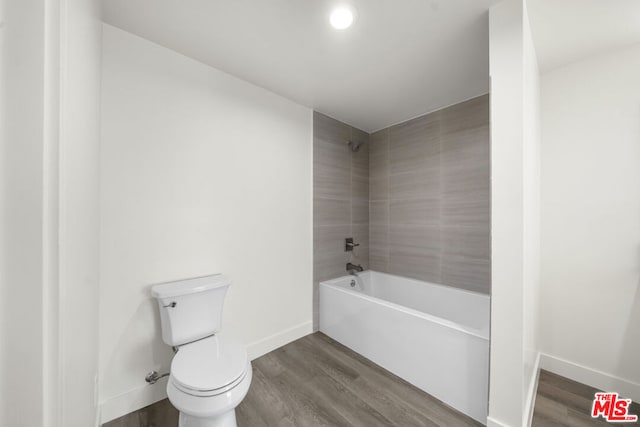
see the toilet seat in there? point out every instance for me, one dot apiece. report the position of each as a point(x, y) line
point(209, 367)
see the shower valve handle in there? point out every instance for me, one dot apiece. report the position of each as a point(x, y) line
point(349, 245)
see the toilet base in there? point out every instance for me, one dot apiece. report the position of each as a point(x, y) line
point(209, 411)
point(228, 419)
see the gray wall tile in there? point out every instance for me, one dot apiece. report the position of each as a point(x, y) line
point(330, 130)
point(465, 115)
point(466, 258)
point(467, 273)
point(360, 187)
point(359, 212)
point(331, 212)
point(341, 200)
point(329, 240)
point(360, 254)
point(414, 145)
point(415, 239)
point(378, 259)
point(416, 196)
point(379, 160)
point(379, 212)
point(466, 241)
point(378, 141)
point(466, 178)
point(418, 211)
point(330, 266)
point(331, 170)
point(379, 235)
point(360, 158)
point(379, 165)
point(417, 184)
point(429, 208)
point(465, 161)
point(471, 211)
point(379, 188)
point(414, 251)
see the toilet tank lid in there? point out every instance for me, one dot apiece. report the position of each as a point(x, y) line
point(189, 286)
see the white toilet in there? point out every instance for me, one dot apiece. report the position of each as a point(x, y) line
point(209, 374)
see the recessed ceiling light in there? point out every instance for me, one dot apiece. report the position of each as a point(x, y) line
point(342, 17)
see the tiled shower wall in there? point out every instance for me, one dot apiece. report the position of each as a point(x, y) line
point(340, 200)
point(416, 197)
point(430, 197)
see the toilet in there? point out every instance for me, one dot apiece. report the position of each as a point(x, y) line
point(210, 375)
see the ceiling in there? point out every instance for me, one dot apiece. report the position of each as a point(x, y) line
point(565, 31)
point(399, 60)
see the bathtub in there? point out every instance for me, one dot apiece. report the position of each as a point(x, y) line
point(435, 337)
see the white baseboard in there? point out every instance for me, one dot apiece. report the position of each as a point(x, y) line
point(279, 339)
point(492, 422)
point(530, 401)
point(592, 377)
point(132, 400)
point(148, 394)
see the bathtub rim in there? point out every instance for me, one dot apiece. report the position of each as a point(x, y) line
point(426, 316)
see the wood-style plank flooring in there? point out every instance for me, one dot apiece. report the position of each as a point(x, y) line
point(563, 402)
point(160, 414)
point(316, 381)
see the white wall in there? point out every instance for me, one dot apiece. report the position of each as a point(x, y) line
point(506, 355)
point(515, 214)
point(21, 232)
point(81, 45)
point(52, 372)
point(49, 229)
point(531, 211)
point(591, 220)
point(200, 173)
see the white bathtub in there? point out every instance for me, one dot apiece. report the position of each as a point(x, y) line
point(435, 337)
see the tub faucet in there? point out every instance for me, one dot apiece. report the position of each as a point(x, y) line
point(352, 268)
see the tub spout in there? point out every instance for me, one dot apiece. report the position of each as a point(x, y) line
point(352, 268)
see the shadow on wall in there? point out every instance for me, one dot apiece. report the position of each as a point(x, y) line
point(139, 350)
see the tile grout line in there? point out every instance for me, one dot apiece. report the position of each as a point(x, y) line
point(388, 203)
point(351, 154)
point(440, 201)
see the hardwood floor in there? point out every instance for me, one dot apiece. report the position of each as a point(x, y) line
point(563, 402)
point(316, 381)
point(160, 414)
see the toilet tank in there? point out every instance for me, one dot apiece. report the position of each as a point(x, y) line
point(191, 309)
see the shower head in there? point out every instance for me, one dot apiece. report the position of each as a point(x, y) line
point(354, 145)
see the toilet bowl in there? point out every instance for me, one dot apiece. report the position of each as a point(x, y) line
point(210, 375)
point(208, 379)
